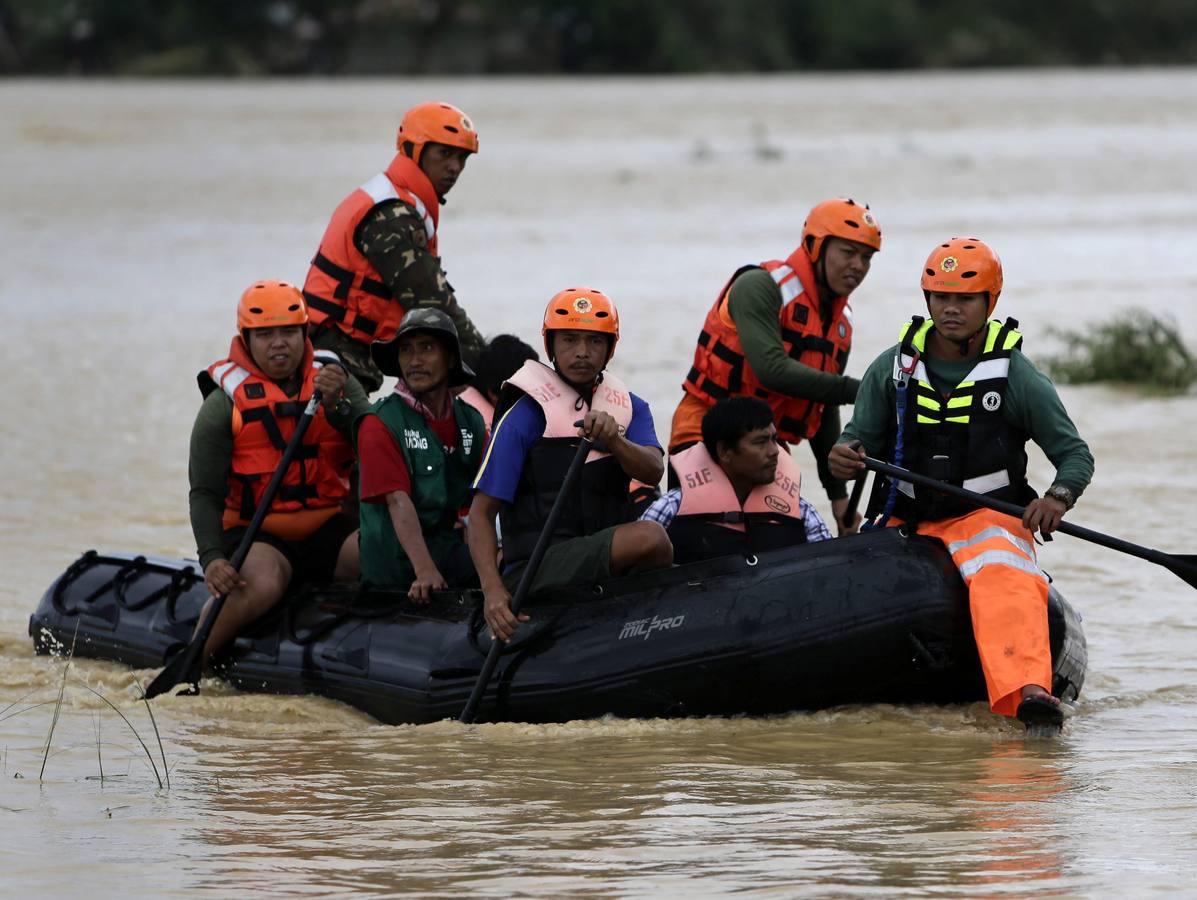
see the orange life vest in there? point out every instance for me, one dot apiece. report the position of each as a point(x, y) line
point(264, 418)
point(342, 285)
point(471, 396)
point(720, 368)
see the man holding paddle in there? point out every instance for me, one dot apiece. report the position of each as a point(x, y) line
point(542, 413)
point(956, 401)
point(254, 407)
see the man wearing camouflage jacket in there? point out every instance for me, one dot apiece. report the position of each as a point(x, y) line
point(378, 258)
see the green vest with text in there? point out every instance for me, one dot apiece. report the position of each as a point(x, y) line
point(440, 487)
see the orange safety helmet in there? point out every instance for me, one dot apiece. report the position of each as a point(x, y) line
point(581, 309)
point(963, 266)
point(841, 218)
point(435, 123)
point(269, 304)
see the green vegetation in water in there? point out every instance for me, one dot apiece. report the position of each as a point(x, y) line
point(1135, 347)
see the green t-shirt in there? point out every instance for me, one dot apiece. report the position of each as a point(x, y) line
point(1031, 404)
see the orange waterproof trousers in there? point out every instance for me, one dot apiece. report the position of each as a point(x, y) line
point(1007, 594)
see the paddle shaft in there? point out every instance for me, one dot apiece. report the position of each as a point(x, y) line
point(1181, 566)
point(529, 573)
point(854, 499)
point(186, 665)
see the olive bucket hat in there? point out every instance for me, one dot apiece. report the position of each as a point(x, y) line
point(386, 353)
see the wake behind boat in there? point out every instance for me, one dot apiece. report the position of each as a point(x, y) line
point(874, 618)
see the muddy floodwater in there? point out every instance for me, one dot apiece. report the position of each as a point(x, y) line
point(133, 215)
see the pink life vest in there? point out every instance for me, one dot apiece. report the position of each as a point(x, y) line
point(475, 398)
point(707, 491)
point(563, 407)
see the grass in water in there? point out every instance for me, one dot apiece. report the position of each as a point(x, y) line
point(6, 714)
point(1135, 347)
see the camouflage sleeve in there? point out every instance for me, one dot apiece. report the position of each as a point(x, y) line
point(392, 237)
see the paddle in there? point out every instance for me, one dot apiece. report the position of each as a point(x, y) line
point(525, 583)
point(186, 665)
point(1183, 566)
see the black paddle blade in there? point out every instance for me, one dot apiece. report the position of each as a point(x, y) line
point(1185, 566)
point(184, 667)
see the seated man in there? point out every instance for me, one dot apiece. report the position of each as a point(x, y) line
point(237, 443)
point(419, 450)
point(502, 358)
point(740, 490)
point(532, 445)
point(956, 400)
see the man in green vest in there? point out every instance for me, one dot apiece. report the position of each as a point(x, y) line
point(418, 450)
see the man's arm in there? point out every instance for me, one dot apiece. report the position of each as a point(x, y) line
point(871, 415)
point(208, 464)
point(1040, 412)
point(406, 523)
point(637, 450)
point(393, 239)
point(754, 304)
point(484, 551)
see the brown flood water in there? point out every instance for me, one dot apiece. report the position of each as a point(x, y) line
point(135, 213)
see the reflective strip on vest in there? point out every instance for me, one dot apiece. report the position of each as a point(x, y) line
point(1000, 558)
point(787, 282)
point(849, 315)
point(230, 376)
point(984, 484)
point(987, 370)
point(993, 531)
point(380, 188)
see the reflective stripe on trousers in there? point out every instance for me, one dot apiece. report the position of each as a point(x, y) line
point(1008, 599)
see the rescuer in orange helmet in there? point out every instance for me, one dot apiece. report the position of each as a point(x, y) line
point(956, 400)
point(533, 442)
point(379, 256)
point(782, 331)
point(253, 399)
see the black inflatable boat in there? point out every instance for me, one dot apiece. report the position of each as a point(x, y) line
point(877, 617)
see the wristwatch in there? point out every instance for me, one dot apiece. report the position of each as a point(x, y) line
point(1063, 494)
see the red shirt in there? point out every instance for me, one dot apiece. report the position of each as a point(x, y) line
point(380, 458)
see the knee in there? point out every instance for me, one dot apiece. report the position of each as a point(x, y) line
point(657, 548)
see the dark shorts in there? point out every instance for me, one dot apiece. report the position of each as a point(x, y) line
point(578, 561)
point(313, 559)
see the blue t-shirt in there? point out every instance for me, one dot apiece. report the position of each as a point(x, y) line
point(521, 427)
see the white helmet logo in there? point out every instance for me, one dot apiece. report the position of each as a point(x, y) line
point(991, 401)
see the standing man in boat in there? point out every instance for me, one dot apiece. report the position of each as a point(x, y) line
point(740, 490)
point(419, 450)
point(252, 402)
point(956, 400)
point(535, 439)
point(378, 257)
point(782, 330)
